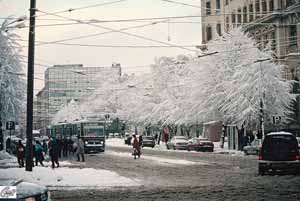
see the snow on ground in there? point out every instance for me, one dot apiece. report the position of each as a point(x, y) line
point(7, 160)
point(225, 150)
point(159, 159)
point(69, 177)
point(117, 142)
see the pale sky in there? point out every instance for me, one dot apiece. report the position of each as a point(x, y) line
point(132, 60)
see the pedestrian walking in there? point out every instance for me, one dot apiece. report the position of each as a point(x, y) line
point(141, 141)
point(136, 147)
point(156, 137)
point(39, 157)
point(65, 147)
point(8, 144)
point(45, 147)
point(80, 149)
point(20, 153)
point(59, 146)
point(70, 146)
point(53, 151)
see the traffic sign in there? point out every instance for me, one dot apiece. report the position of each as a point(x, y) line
point(10, 125)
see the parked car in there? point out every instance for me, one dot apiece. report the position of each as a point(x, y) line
point(127, 139)
point(178, 142)
point(148, 141)
point(279, 152)
point(200, 144)
point(28, 191)
point(298, 140)
point(253, 148)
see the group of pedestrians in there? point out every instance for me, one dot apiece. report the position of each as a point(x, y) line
point(56, 148)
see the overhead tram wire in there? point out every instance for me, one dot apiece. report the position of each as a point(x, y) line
point(97, 34)
point(83, 7)
point(138, 21)
point(122, 32)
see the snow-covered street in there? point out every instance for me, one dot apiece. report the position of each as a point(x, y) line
point(159, 174)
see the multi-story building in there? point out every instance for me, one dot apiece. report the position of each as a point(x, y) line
point(66, 82)
point(275, 21)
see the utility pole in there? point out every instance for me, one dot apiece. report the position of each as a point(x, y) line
point(29, 148)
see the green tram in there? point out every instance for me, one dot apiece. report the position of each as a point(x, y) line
point(92, 133)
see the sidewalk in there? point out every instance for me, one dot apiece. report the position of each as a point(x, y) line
point(10, 161)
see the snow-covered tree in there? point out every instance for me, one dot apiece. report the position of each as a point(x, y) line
point(12, 84)
point(233, 82)
point(68, 113)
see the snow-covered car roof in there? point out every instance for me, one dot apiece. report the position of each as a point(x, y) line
point(24, 189)
point(279, 133)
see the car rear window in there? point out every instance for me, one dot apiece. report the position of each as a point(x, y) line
point(278, 142)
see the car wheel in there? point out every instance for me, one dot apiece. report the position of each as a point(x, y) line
point(261, 170)
point(153, 147)
point(246, 153)
point(174, 147)
point(188, 149)
point(168, 147)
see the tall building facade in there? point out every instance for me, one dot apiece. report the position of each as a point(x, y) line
point(66, 82)
point(268, 21)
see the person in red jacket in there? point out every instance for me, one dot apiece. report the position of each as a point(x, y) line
point(20, 153)
point(136, 147)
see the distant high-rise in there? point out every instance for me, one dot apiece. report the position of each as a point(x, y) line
point(66, 82)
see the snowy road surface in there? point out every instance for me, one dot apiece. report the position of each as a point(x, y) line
point(182, 175)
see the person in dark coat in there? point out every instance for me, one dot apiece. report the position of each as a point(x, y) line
point(141, 141)
point(65, 146)
point(59, 147)
point(136, 147)
point(8, 143)
point(45, 147)
point(70, 146)
point(38, 153)
point(53, 151)
point(20, 153)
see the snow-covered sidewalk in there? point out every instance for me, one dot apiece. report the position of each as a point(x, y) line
point(68, 175)
point(69, 178)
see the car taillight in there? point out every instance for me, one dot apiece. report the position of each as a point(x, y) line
point(260, 157)
point(297, 157)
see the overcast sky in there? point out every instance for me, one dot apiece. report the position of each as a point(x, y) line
point(131, 59)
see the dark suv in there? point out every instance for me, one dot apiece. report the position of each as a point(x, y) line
point(279, 152)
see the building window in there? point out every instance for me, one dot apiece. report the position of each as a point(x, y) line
point(293, 35)
point(290, 2)
point(218, 28)
point(271, 5)
point(226, 2)
point(208, 33)
point(273, 41)
point(218, 5)
point(208, 11)
point(245, 20)
point(257, 9)
point(264, 6)
point(233, 19)
point(227, 23)
point(239, 16)
point(251, 14)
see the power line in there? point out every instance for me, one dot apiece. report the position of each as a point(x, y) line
point(97, 34)
point(84, 7)
point(126, 33)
